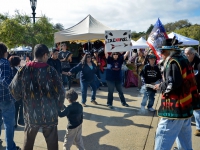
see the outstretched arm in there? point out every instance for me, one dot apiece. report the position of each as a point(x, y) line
point(106, 53)
point(126, 54)
point(63, 113)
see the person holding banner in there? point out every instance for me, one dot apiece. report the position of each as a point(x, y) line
point(114, 77)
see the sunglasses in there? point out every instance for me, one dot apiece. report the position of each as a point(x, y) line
point(88, 56)
point(115, 54)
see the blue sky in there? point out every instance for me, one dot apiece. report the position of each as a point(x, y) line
point(135, 15)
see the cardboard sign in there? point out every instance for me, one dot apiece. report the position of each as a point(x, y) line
point(118, 40)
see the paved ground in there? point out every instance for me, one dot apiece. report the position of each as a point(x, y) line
point(105, 129)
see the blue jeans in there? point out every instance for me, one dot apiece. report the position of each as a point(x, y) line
point(102, 75)
point(169, 130)
point(1, 121)
point(123, 77)
point(150, 96)
point(111, 85)
point(8, 114)
point(197, 118)
point(84, 86)
point(97, 82)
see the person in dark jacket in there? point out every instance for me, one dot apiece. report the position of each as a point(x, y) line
point(74, 114)
point(114, 77)
point(55, 62)
point(65, 56)
point(194, 60)
point(87, 71)
point(15, 66)
point(150, 74)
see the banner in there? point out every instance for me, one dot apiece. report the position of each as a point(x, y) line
point(156, 38)
point(117, 40)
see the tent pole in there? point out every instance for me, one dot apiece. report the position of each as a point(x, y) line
point(88, 46)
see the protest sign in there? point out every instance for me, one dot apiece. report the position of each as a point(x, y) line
point(118, 40)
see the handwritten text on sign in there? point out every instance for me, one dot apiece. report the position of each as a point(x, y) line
point(117, 40)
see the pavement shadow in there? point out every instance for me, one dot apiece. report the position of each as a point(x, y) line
point(113, 121)
point(130, 111)
point(2, 147)
point(114, 98)
point(61, 134)
point(92, 141)
point(19, 128)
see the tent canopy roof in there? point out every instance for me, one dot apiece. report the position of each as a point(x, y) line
point(21, 48)
point(89, 29)
point(185, 40)
point(140, 43)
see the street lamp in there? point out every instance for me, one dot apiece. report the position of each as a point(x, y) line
point(33, 6)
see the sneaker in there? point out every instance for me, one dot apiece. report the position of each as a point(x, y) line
point(197, 133)
point(151, 109)
point(18, 148)
point(94, 102)
point(175, 148)
point(21, 124)
point(83, 104)
point(125, 104)
point(110, 106)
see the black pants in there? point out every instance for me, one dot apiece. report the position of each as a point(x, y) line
point(50, 134)
point(19, 117)
point(66, 79)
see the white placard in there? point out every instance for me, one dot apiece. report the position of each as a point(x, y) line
point(118, 40)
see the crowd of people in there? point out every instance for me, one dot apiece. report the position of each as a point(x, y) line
point(33, 95)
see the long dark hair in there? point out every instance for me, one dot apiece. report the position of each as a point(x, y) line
point(84, 59)
point(14, 61)
point(3, 49)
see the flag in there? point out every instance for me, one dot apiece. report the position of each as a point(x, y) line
point(156, 38)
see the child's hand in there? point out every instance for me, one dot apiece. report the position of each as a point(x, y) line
point(69, 73)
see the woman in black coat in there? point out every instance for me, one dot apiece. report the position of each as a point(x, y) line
point(15, 66)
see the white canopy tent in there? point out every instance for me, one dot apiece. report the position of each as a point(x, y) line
point(185, 40)
point(89, 29)
point(21, 49)
point(132, 41)
point(140, 43)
